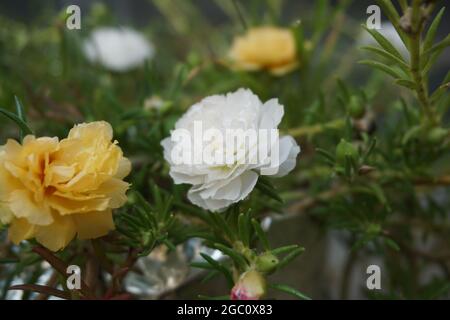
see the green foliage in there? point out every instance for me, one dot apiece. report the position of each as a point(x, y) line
point(144, 225)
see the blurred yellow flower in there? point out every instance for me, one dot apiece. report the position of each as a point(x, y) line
point(270, 48)
point(53, 190)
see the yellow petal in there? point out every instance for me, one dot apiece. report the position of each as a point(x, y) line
point(57, 174)
point(264, 47)
point(283, 69)
point(115, 190)
point(57, 235)
point(12, 149)
point(92, 130)
point(124, 168)
point(93, 224)
point(7, 182)
point(6, 215)
point(62, 203)
point(19, 230)
point(22, 205)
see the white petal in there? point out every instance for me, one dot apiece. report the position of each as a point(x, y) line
point(179, 178)
point(208, 204)
point(249, 179)
point(272, 113)
point(231, 191)
point(118, 49)
point(290, 161)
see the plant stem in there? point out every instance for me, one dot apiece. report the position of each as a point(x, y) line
point(317, 128)
point(347, 274)
point(240, 15)
point(415, 64)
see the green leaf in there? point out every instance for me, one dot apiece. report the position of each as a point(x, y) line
point(391, 12)
point(235, 256)
point(22, 124)
point(291, 256)
point(266, 187)
point(286, 249)
point(7, 261)
point(202, 265)
point(222, 225)
point(389, 9)
point(321, 8)
point(361, 242)
point(439, 92)
point(431, 34)
point(327, 155)
point(379, 193)
point(240, 14)
point(406, 83)
point(181, 74)
point(392, 58)
point(157, 197)
point(219, 267)
point(412, 133)
point(343, 89)
point(381, 66)
point(434, 53)
point(437, 290)
point(261, 234)
point(244, 229)
point(193, 210)
point(403, 4)
point(392, 244)
point(169, 244)
point(298, 32)
point(370, 149)
point(290, 290)
point(439, 46)
point(384, 43)
point(210, 275)
point(20, 110)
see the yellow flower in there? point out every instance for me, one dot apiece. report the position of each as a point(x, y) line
point(270, 48)
point(53, 190)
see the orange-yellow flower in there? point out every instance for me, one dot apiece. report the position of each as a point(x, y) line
point(52, 190)
point(270, 48)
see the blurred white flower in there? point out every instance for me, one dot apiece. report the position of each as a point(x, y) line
point(218, 185)
point(389, 32)
point(154, 103)
point(117, 49)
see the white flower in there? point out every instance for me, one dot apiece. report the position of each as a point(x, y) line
point(216, 186)
point(117, 49)
point(389, 32)
point(153, 103)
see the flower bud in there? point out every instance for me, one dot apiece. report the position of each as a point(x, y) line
point(250, 286)
point(345, 149)
point(266, 262)
point(356, 107)
point(437, 135)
